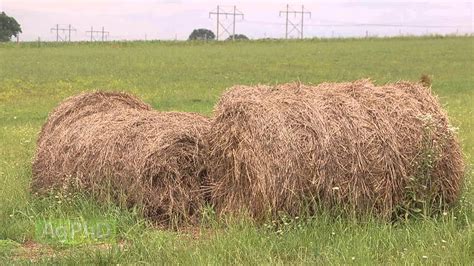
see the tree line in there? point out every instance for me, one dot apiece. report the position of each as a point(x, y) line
point(208, 35)
point(9, 28)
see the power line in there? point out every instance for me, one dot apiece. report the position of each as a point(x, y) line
point(102, 33)
point(294, 25)
point(221, 12)
point(384, 25)
point(61, 33)
point(351, 24)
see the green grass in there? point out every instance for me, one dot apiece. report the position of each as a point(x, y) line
point(189, 77)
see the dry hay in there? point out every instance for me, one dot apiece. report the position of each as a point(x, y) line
point(118, 148)
point(84, 104)
point(354, 147)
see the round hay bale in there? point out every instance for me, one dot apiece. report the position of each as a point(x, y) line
point(70, 111)
point(129, 154)
point(354, 147)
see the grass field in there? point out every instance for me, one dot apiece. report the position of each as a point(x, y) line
point(189, 77)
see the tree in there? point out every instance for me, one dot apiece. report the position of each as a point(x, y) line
point(202, 34)
point(8, 27)
point(240, 37)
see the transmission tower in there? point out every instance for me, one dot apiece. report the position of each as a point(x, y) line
point(63, 34)
point(295, 26)
point(219, 25)
point(99, 33)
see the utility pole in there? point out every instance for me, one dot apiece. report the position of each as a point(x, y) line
point(286, 29)
point(69, 30)
point(92, 33)
point(221, 12)
point(104, 34)
point(217, 22)
point(233, 25)
point(294, 25)
point(302, 21)
point(63, 37)
point(57, 32)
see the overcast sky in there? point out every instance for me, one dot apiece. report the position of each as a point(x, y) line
point(170, 19)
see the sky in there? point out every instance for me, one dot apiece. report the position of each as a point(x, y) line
point(175, 19)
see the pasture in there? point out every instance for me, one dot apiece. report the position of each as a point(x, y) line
point(188, 76)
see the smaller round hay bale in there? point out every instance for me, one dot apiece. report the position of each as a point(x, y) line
point(70, 111)
point(354, 147)
point(135, 156)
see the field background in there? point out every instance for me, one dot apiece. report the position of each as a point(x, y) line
point(186, 76)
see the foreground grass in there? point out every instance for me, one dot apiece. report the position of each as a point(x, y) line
point(322, 239)
point(190, 77)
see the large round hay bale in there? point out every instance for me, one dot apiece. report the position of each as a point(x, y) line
point(126, 152)
point(354, 147)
